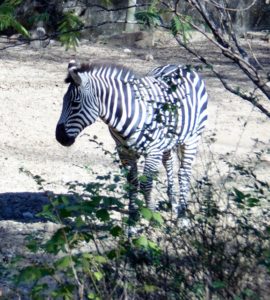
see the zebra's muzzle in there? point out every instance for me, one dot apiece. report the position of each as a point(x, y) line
point(62, 136)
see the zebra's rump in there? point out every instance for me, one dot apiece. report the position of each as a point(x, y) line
point(173, 103)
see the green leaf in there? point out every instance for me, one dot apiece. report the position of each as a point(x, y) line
point(253, 202)
point(103, 215)
point(39, 288)
point(93, 296)
point(98, 275)
point(148, 288)
point(141, 242)
point(153, 246)
point(8, 18)
point(33, 273)
point(63, 262)
point(112, 254)
point(175, 25)
point(93, 187)
point(181, 26)
point(100, 259)
point(64, 292)
point(148, 18)
point(146, 213)
point(249, 293)
point(22, 30)
point(116, 231)
point(158, 218)
point(142, 179)
point(239, 196)
point(33, 245)
point(109, 201)
point(64, 212)
point(218, 284)
point(111, 187)
point(79, 221)
point(69, 29)
point(57, 241)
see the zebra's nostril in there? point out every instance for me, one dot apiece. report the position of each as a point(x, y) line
point(62, 136)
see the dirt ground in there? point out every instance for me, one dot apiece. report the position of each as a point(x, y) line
point(31, 91)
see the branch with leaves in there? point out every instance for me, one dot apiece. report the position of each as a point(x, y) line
point(8, 18)
point(229, 45)
point(223, 37)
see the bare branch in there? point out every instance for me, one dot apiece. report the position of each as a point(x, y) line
point(237, 54)
point(250, 98)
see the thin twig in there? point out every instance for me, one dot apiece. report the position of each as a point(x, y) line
point(223, 81)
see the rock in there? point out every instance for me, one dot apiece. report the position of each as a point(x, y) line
point(258, 35)
point(149, 57)
point(126, 50)
point(28, 215)
point(14, 38)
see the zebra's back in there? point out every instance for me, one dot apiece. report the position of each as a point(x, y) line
point(174, 100)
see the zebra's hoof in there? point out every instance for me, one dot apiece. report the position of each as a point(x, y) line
point(181, 213)
point(182, 219)
point(183, 222)
point(133, 231)
point(179, 210)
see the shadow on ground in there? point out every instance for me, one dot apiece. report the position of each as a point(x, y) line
point(22, 206)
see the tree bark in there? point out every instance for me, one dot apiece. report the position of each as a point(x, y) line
point(131, 21)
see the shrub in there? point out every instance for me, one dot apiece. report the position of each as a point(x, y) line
point(221, 251)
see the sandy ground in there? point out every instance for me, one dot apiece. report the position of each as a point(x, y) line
point(31, 91)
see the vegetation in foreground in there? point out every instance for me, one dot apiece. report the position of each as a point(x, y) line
point(220, 251)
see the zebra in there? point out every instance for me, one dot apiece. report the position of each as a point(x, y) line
point(147, 116)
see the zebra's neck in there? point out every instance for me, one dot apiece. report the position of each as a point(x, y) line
point(119, 108)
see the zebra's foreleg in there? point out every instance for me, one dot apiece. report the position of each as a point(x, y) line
point(132, 178)
point(150, 171)
point(167, 161)
point(186, 155)
point(129, 162)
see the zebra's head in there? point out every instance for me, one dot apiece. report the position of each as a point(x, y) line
point(80, 106)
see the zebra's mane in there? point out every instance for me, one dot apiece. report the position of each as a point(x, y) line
point(86, 67)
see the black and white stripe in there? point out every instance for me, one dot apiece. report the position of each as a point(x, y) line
point(147, 116)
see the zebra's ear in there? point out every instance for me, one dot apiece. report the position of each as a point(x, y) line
point(73, 72)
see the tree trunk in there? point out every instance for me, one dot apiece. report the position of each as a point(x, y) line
point(130, 25)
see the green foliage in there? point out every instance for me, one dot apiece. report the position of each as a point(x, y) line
point(223, 252)
point(8, 18)
point(180, 25)
point(69, 29)
point(149, 18)
point(44, 17)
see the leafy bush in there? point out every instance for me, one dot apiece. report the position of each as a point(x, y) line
point(8, 17)
point(65, 26)
point(221, 251)
point(69, 30)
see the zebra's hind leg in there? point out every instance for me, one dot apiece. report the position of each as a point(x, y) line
point(152, 162)
point(167, 161)
point(186, 154)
